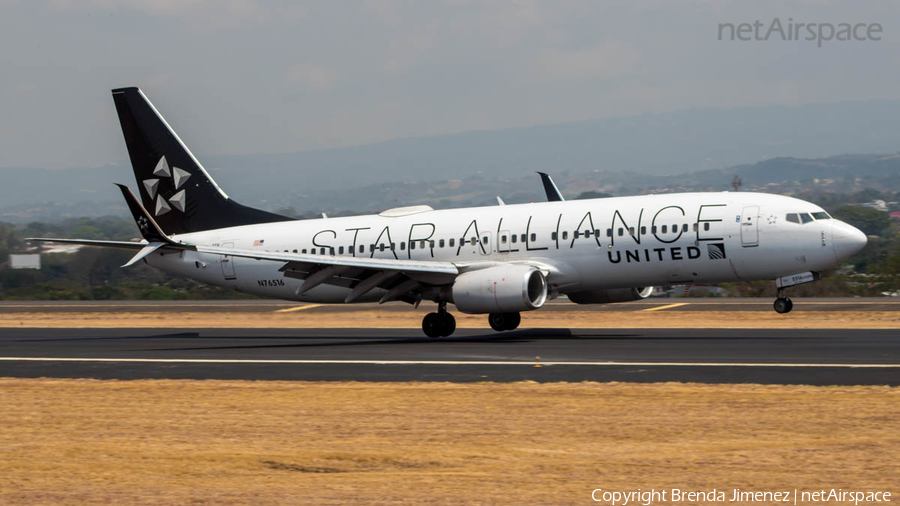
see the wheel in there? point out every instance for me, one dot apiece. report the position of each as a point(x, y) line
point(431, 325)
point(783, 305)
point(513, 320)
point(448, 324)
point(504, 321)
point(497, 321)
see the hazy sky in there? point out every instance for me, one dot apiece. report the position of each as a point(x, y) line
point(240, 77)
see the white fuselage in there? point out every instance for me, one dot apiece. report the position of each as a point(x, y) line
point(643, 241)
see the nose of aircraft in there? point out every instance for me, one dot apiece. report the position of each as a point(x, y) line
point(846, 239)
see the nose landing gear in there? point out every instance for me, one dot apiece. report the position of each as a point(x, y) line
point(783, 304)
point(440, 324)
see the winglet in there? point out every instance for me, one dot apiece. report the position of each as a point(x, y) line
point(149, 228)
point(553, 194)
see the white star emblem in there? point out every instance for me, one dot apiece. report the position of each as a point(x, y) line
point(178, 177)
point(143, 223)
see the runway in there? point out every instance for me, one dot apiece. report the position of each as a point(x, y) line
point(782, 356)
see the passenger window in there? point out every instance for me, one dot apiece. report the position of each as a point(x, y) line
point(515, 238)
point(821, 216)
point(312, 251)
point(684, 228)
point(331, 251)
point(472, 241)
point(565, 235)
point(484, 240)
point(441, 243)
point(664, 229)
point(431, 244)
point(793, 218)
point(402, 245)
point(805, 218)
point(553, 236)
point(696, 227)
point(422, 244)
point(371, 248)
point(322, 250)
point(341, 250)
point(577, 234)
point(524, 238)
point(653, 229)
point(533, 237)
point(452, 242)
point(631, 231)
point(587, 233)
point(503, 239)
point(362, 248)
point(621, 231)
point(609, 232)
point(706, 226)
point(412, 245)
point(393, 246)
point(643, 230)
point(303, 250)
point(596, 232)
point(295, 251)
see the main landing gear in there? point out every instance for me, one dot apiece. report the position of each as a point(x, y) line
point(504, 321)
point(783, 304)
point(440, 324)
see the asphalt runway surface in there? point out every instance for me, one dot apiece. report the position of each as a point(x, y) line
point(815, 357)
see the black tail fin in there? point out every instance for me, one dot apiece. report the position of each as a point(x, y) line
point(173, 185)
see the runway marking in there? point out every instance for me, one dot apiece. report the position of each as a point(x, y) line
point(299, 308)
point(529, 363)
point(667, 306)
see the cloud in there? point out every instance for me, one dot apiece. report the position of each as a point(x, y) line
point(608, 60)
point(312, 77)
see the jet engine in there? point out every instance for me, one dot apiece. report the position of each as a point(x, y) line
point(611, 295)
point(502, 289)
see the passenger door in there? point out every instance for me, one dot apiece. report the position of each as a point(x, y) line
point(749, 227)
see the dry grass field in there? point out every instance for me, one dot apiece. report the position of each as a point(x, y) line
point(234, 442)
point(322, 317)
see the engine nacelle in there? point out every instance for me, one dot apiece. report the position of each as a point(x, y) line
point(502, 289)
point(611, 295)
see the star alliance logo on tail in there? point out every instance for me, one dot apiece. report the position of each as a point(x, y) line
point(172, 180)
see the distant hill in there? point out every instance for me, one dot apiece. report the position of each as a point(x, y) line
point(692, 147)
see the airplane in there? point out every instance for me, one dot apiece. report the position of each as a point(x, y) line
point(500, 260)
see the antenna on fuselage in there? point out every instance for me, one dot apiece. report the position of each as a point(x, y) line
point(553, 194)
point(500, 201)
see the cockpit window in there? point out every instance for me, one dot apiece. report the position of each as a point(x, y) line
point(793, 218)
point(805, 217)
point(821, 216)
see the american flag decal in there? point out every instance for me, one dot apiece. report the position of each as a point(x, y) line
point(259, 242)
point(716, 251)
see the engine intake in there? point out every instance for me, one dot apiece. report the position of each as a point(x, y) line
point(611, 295)
point(501, 289)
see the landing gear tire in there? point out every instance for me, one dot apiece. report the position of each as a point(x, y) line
point(440, 324)
point(448, 324)
point(783, 305)
point(504, 321)
point(431, 325)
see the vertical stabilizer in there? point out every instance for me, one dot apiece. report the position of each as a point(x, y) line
point(174, 187)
